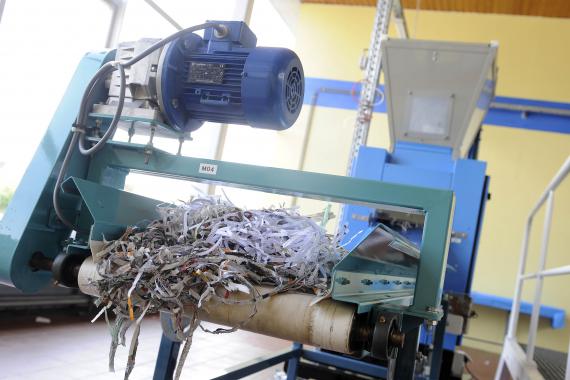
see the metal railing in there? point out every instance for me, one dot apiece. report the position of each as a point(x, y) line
point(521, 365)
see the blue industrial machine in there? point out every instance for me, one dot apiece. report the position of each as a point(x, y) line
point(71, 198)
point(437, 95)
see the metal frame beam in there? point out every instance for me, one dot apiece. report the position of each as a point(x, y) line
point(118, 8)
point(164, 14)
point(400, 20)
point(292, 356)
point(436, 204)
point(2, 6)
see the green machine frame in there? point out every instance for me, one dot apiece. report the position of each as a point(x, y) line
point(437, 205)
point(30, 225)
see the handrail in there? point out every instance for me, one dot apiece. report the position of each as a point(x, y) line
point(558, 178)
point(558, 271)
point(528, 362)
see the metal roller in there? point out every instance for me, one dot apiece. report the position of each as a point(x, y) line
point(327, 324)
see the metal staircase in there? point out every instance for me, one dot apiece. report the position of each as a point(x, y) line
point(520, 363)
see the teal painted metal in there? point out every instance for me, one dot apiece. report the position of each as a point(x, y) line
point(106, 208)
point(29, 224)
point(437, 205)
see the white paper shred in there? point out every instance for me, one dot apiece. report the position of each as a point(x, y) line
point(206, 249)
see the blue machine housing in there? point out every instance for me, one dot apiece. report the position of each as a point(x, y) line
point(229, 80)
point(431, 166)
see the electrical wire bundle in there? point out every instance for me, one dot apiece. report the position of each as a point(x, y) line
point(205, 250)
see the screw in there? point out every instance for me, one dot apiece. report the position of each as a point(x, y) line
point(220, 31)
point(382, 320)
point(174, 103)
point(397, 339)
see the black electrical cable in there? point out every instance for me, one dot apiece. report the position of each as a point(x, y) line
point(59, 180)
point(78, 136)
point(220, 28)
point(116, 118)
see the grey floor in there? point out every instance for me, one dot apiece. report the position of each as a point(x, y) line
point(79, 350)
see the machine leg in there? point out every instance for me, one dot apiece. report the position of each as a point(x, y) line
point(166, 360)
point(406, 360)
point(293, 363)
point(437, 353)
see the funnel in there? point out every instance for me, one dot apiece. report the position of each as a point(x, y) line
point(438, 92)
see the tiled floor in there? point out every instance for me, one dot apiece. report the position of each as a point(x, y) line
point(78, 349)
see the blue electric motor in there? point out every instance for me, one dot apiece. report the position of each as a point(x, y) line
point(227, 79)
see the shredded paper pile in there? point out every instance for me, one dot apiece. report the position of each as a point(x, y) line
point(204, 250)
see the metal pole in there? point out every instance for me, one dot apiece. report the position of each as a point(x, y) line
point(293, 363)
point(309, 126)
point(515, 309)
point(559, 271)
point(118, 8)
point(166, 359)
point(400, 20)
point(530, 109)
point(554, 183)
point(539, 280)
point(2, 5)
point(163, 13)
point(243, 10)
point(438, 339)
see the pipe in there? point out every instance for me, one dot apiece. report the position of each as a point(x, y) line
point(164, 14)
point(118, 8)
point(533, 327)
point(327, 324)
point(530, 109)
point(2, 6)
point(309, 125)
point(400, 20)
point(310, 118)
